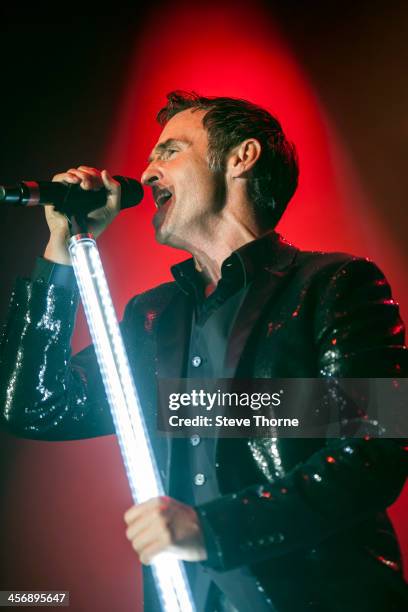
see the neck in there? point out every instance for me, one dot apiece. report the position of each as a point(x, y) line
point(211, 248)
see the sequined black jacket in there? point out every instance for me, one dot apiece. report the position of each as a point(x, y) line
point(313, 531)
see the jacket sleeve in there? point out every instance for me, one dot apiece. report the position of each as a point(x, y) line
point(358, 333)
point(44, 393)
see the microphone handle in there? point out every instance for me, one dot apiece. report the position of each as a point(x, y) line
point(69, 199)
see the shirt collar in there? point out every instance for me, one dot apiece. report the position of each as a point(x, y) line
point(237, 270)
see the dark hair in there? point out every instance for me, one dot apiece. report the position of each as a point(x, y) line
point(229, 121)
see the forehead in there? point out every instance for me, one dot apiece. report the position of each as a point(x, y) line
point(187, 126)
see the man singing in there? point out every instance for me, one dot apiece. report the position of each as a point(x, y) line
point(265, 524)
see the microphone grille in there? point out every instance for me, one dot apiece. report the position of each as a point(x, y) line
point(132, 191)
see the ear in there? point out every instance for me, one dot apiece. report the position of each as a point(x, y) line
point(243, 157)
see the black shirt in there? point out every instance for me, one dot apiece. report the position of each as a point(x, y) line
point(193, 467)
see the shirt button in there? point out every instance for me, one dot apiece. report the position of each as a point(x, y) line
point(196, 361)
point(195, 440)
point(199, 479)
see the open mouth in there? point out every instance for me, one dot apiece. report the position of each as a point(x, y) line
point(161, 196)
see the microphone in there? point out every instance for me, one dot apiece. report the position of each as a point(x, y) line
point(69, 199)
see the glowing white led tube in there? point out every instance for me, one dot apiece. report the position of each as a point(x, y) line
point(144, 480)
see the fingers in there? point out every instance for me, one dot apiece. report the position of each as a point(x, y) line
point(88, 178)
point(65, 177)
point(164, 524)
point(110, 183)
point(146, 518)
point(148, 528)
point(89, 169)
point(158, 503)
point(150, 541)
point(149, 552)
point(137, 526)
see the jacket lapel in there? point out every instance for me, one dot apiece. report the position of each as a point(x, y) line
point(262, 290)
point(172, 346)
point(173, 336)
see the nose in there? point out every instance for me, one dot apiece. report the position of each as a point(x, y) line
point(151, 175)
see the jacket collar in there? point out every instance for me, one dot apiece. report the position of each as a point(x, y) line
point(240, 268)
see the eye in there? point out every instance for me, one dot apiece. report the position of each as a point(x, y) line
point(169, 152)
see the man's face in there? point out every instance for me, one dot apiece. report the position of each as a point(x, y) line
point(186, 192)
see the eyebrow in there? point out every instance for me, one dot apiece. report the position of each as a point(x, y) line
point(164, 146)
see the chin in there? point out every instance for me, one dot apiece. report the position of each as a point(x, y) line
point(163, 236)
point(160, 232)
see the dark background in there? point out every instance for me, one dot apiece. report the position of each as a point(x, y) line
point(62, 82)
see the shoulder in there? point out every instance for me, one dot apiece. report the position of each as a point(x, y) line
point(352, 293)
point(313, 265)
point(340, 270)
point(324, 262)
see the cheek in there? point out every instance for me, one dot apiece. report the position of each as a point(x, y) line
point(196, 182)
point(193, 184)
